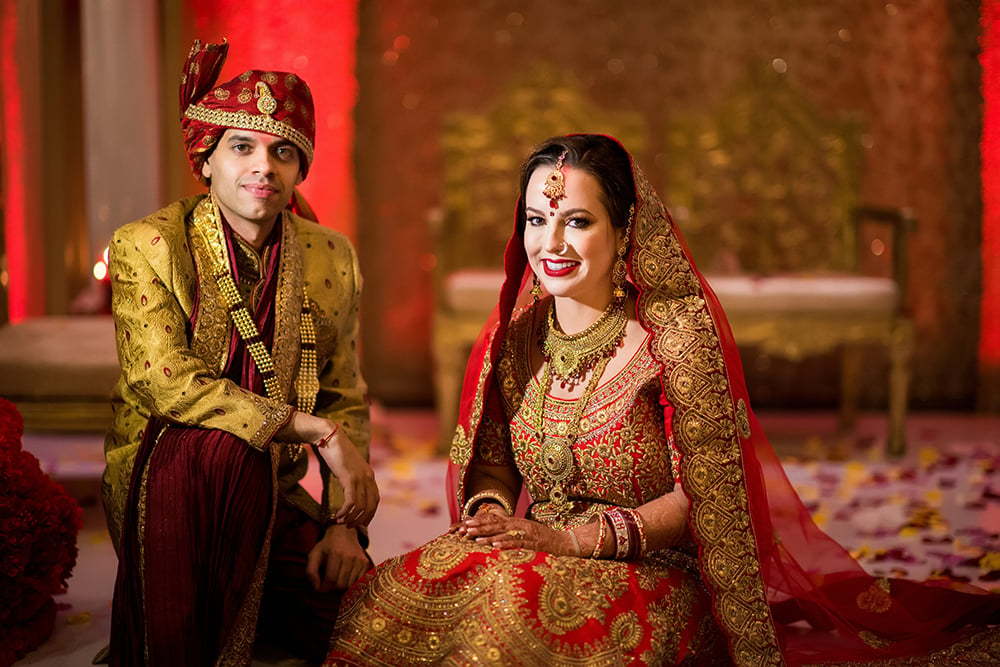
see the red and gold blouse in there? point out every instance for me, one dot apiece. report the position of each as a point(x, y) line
point(621, 455)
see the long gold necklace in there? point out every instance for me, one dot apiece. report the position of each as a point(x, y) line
point(571, 356)
point(307, 381)
point(564, 360)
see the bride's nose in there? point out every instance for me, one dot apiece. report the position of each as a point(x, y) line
point(555, 241)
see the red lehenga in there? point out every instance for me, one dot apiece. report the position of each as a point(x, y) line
point(766, 585)
point(458, 602)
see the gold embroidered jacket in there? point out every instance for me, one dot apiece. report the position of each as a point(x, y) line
point(161, 281)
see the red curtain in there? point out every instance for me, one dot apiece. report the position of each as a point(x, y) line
point(989, 341)
point(316, 40)
point(20, 166)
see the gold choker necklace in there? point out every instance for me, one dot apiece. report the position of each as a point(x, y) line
point(570, 357)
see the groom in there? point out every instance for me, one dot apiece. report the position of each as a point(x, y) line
point(237, 331)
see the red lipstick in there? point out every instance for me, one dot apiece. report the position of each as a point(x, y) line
point(558, 269)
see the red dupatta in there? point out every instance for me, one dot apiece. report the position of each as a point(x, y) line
point(765, 561)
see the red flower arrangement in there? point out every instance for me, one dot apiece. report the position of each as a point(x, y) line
point(39, 523)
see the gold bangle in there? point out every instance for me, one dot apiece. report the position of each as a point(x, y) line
point(491, 494)
point(576, 542)
point(600, 537)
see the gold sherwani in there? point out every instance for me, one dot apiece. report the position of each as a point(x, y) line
point(162, 283)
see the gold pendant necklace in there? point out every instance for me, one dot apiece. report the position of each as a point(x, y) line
point(571, 356)
point(555, 456)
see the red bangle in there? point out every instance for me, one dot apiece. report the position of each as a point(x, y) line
point(322, 443)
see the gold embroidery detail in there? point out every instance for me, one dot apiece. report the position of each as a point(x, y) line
point(441, 556)
point(687, 344)
point(221, 94)
point(569, 597)
point(877, 599)
point(742, 420)
point(462, 453)
point(244, 120)
point(873, 640)
point(461, 447)
point(626, 631)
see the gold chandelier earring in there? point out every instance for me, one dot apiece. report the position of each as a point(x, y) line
point(536, 287)
point(619, 272)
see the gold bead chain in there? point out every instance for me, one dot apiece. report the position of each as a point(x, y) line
point(307, 380)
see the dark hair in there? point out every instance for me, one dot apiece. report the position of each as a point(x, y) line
point(600, 156)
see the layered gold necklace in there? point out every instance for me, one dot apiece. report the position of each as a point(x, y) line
point(570, 357)
point(208, 222)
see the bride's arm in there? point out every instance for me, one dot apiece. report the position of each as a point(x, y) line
point(492, 486)
point(664, 521)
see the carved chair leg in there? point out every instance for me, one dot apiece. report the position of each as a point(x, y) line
point(448, 374)
point(900, 355)
point(448, 393)
point(850, 385)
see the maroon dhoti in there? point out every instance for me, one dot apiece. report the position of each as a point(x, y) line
point(190, 580)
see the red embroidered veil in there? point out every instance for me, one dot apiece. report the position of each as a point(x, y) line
point(783, 591)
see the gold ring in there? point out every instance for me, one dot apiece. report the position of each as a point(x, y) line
point(516, 534)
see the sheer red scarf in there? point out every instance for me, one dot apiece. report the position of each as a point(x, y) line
point(783, 591)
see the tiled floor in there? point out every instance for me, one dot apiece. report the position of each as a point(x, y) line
point(937, 510)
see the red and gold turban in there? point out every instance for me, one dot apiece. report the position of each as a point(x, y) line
point(278, 103)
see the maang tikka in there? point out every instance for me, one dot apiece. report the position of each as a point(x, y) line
point(555, 183)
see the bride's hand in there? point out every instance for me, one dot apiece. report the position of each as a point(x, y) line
point(500, 531)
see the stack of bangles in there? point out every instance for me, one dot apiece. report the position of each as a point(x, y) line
point(628, 531)
point(491, 496)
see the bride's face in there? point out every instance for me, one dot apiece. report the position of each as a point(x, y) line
point(571, 248)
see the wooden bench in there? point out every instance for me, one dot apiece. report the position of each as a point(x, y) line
point(59, 371)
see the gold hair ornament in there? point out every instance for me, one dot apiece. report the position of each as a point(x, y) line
point(555, 183)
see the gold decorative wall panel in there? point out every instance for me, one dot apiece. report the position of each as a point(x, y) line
point(906, 72)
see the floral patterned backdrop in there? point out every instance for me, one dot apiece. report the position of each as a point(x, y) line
point(906, 72)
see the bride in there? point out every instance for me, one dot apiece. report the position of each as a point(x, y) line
point(658, 527)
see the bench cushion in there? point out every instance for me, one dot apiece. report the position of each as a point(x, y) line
point(827, 293)
point(477, 291)
point(58, 357)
